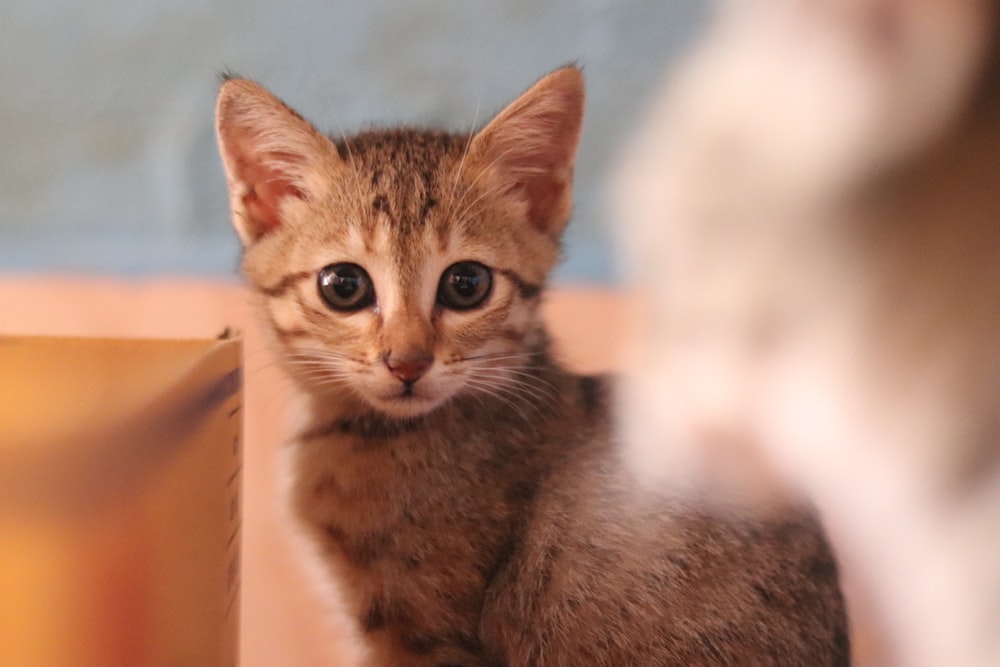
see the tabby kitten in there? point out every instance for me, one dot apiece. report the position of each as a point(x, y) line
point(463, 488)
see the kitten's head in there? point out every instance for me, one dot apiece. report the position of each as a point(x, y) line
point(402, 266)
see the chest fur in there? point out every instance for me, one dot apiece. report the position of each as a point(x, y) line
point(414, 528)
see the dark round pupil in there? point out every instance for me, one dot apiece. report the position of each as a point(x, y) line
point(346, 285)
point(465, 281)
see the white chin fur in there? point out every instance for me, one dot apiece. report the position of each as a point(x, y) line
point(401, 407)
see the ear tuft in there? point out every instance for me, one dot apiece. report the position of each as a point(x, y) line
point(269, 152)
point(532, 144)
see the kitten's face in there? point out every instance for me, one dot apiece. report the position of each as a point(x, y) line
point(401, 284)
point(405, 267)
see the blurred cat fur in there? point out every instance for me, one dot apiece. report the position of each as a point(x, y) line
point(814, 209)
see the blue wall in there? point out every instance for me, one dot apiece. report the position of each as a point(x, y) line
point(107, 157)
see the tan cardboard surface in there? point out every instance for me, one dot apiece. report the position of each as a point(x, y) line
point(120, 470)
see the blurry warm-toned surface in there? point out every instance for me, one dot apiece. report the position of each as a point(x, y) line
point(119, 483)
point(283, 623)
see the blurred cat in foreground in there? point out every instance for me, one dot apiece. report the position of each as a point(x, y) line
point(815, 238)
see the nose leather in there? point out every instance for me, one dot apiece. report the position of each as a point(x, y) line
point(408, 368)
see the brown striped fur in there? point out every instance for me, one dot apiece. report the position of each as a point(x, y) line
point(479, 516)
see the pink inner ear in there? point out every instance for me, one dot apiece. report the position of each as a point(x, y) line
point(547, 198)
point(267, 187)
point(262, 205)
point(549, 201)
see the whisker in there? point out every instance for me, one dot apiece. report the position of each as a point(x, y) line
point(355, 176)
point(525, 376)
point(536, 387)
point(513, 397)
point(517, 387)
point(459, 218)
point(497, 356)
point(321, 352)
point(496, 393)
point(465, 153)
point(535, 403)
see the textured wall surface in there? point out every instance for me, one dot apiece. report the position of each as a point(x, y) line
point(107, 156)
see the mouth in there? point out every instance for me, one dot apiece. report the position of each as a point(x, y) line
point(406, 401)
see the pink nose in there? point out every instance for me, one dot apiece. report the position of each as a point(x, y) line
point(409, 369)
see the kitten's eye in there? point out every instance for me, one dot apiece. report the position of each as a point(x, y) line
point(346, 287)
point(464, 285)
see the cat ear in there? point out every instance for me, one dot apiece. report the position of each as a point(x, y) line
point(270, 154)
point(530, 147)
